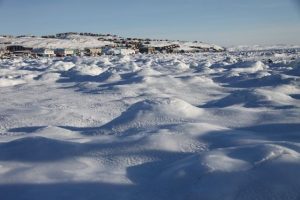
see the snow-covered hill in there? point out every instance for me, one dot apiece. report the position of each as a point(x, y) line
point(196, 126)
point(70, 42)
point(76, 41)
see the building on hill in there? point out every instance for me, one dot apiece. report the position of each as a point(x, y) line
point(14, 48)
point(3, 52)
point(79, 52)
point(147, 50)
point(19, 50)
point(118, 51)
point(93, 51)
point(185, 50)
point(133, 45)
point(169, 48)
point(64, 52)
point(43, 52)
point(7, 36)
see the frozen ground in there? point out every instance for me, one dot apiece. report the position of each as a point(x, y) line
point(145, 127)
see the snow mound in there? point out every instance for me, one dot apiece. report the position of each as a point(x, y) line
point(61, 66)
point(129, 66)
point(83, 70)
point(155, 112)
point(170, 140)
point(7, 82)
point(37, 149)
point(227, 168)
point(49, 77)
point(110, 75)
point(181, 65)
point(254, 98)
point(148, 72)
point(295, 69)
point(247, 67)
point(54, 132)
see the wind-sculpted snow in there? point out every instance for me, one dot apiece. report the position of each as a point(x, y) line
point(198, 126)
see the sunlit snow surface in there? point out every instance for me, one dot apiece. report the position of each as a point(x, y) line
point(201, 126)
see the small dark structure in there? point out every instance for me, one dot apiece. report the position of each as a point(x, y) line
point(169, 48)
point(14, 48)
point(93, 51)
point(147, 50)
point(43, 52)
point(19, 50)
point(64, 52)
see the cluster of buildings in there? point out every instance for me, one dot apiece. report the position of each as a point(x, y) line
point(12, 51)
point(114, 45)
point(126, 48)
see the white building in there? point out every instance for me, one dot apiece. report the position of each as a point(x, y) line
point(44, 52)
point(119, 51)
point(127, 51)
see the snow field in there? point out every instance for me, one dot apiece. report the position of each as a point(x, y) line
point(193, 126)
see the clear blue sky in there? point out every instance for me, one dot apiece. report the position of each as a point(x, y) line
point(225, 22)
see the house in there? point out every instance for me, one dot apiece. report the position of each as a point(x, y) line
point(125, 51)
point(169, 49)
point(147, 49)
point(119, 51)
point(43, 52)
point(3, 52)
point(93, 51)
point(133, 45)
point(19, 50)
point(14, 48)
point(79, 52)
point(64, 52)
